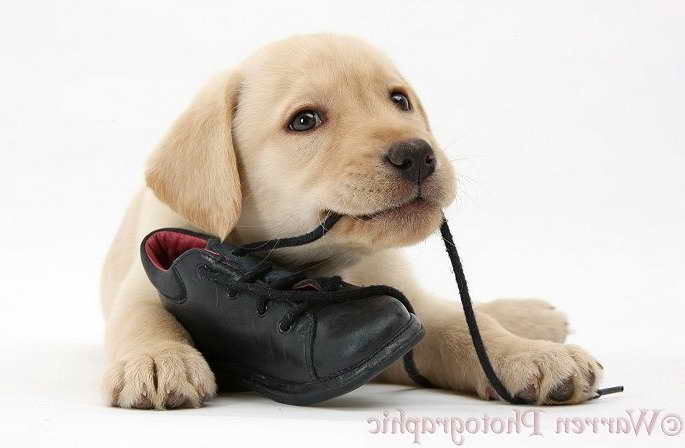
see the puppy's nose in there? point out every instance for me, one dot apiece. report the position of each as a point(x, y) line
point(413, 158)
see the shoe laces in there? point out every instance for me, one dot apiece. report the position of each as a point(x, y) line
point(333, 290)
point(284, 289)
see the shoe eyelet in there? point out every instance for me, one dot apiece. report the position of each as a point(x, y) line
point(238, 253)
point(201, 271)
point(261, 311)
point(282, 328)
point(231, 294)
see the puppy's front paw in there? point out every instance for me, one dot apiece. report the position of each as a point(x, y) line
point(541, 372)
point(163, 376)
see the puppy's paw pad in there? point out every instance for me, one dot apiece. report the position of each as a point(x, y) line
point(563, 391)
point(175, 400)
point(529, 395)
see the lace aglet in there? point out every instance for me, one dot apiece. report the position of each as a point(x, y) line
point(607, 391)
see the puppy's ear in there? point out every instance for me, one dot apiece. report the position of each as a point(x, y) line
point(194, 168)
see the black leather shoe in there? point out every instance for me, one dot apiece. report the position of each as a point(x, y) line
point(295, 340)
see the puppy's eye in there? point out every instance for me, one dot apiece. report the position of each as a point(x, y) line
point(304, 121)
point(401, 100)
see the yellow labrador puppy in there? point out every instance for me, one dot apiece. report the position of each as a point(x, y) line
point(308, 125)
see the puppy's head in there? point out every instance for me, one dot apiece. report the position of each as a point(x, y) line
point(307, 126)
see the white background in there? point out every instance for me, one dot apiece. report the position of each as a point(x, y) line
point(565, 122)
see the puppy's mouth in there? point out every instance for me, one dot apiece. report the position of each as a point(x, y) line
point(412, 207)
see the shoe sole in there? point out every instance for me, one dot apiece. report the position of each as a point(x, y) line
point(302, 394)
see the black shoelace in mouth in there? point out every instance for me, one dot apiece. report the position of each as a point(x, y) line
point(333, 290)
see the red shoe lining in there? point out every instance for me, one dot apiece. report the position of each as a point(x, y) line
point(164, 247)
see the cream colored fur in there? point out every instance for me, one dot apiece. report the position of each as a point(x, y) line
point(230, 167)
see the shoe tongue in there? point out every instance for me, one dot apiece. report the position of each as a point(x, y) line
point(320, 284)
point(244, 263)
point(215, 245)
point(308, 284)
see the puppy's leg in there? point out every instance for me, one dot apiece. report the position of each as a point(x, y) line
point(528, 318)
point(538, 371)
point(152, 361)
